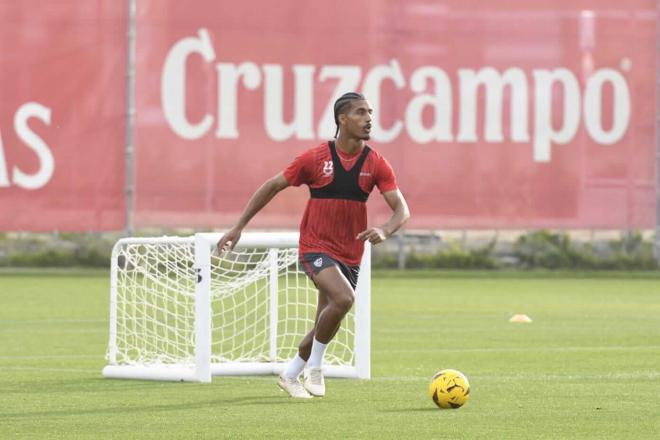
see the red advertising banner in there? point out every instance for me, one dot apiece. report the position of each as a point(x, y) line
point(505, 114)
point(62, 110)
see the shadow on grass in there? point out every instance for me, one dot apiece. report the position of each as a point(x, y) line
point(133, 409)
point(84, 385)
point(410, 410)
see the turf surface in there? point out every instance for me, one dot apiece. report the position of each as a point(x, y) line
point(588, 366)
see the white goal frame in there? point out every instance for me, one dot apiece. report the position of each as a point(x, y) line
point(203, 368)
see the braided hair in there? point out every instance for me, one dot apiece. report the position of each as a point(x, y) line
point(343, 103)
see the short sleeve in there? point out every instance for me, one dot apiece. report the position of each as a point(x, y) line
point(385, 178)
point(298, 171)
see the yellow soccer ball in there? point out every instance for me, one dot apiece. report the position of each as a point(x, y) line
point(449, 389)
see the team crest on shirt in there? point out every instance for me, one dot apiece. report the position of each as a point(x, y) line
point(319, 261)
point(327, 168)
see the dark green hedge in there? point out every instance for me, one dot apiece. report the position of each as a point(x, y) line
point(535, 250)
point(538, 250)
point(56, 250)
point(544, 249)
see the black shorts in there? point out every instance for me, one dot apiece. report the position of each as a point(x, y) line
point(314, 262)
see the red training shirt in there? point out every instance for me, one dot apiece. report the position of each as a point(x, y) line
point(331, 225)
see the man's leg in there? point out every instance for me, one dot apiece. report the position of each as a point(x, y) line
point(335, 295)
point(338, 294)
point(288, 380)
point(295, 366)
point(305, 347)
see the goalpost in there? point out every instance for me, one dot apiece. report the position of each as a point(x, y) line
point(179, 312)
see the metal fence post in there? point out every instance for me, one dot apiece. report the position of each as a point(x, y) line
point(130, 118)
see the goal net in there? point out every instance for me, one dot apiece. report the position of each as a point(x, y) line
point(180, 312)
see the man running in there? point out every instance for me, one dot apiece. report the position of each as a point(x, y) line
point(340, 174)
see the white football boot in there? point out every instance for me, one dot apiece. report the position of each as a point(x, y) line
point(313, 381)
point(293, 387)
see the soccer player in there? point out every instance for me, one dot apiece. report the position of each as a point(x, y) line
point(340, 175)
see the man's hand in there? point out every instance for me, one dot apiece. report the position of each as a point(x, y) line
point(374, 235)
point(228, 241)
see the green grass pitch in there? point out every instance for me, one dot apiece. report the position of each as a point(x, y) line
point(587, 367)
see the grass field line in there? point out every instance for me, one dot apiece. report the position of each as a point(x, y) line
point(536, 376)
point(8, 368)
point(520, 349)
point(53, 321)
point(77, 330)
point(533, 376)
point(405, 350)
point(46, 357)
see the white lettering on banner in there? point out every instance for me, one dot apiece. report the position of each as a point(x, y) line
point(228, 76)
point(593, 99)
point(371, 89)
point(441, 130)
point(431, 88)
point(35, 143)
point(544, 133)
point(494, 84)
point(303, 107)
point(173, 85)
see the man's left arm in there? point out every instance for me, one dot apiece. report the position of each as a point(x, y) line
point(400, 214)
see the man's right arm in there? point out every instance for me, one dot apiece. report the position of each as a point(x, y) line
point(259, 199)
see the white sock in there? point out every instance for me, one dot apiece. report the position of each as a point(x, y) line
point(316, 358)
point(294, 367)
